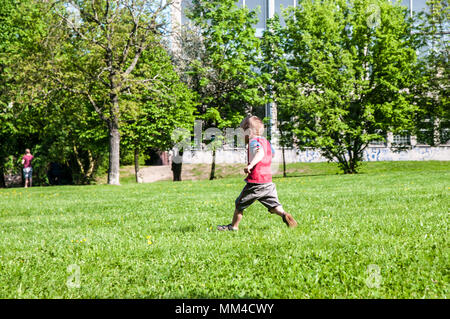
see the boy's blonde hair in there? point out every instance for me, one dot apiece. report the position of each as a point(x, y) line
point(253, 124)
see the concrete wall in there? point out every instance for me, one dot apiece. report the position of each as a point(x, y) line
point(233, 156)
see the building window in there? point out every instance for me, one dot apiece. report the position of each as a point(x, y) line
point(417, 5)
point(424, 136)
point(444, 136)
point(381, 142)
point(253, 5)
point(185, 4)
point(402, 139)
point(282, 5)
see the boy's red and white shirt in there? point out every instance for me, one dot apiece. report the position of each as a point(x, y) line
point(261, 173)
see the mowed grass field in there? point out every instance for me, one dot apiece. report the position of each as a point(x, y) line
point(382, 233)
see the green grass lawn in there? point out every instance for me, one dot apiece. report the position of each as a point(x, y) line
point(379, 234)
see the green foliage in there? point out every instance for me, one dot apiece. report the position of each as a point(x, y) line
point(274, 68)
point(224, 72)
point(221, 68)
point(22, 30)
point(99, 47)
point(347, 78)
point(64, 85)
point(432, 88)
point(150, 114)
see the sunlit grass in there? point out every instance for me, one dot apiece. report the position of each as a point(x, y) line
point(159, 240)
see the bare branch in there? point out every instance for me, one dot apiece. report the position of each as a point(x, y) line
point(78, 32)
point(85, 93)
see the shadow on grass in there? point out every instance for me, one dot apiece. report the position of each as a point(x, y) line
point(308, 175)
point(187, 229)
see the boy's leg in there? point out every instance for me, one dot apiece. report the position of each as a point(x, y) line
point(245, 199)
point(270, 200)
point(287, 218)
point(277, 210)
point(237, 217)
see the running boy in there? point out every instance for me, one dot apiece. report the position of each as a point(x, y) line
point(259, 176)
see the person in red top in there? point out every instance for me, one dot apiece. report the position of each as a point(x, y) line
point(259, 176)
point(27, 169)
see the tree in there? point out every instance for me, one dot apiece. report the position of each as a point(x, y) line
point(219, 57)
point(22, 28)
point(81, 144)
point(351, 64)
point(149, 119)
point(433, 118)
point(274, 67)
point(108, 39)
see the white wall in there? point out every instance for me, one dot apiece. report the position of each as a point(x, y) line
point(419, 153)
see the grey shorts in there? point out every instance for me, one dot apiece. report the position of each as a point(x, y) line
point(266, 193)
point(27, 172)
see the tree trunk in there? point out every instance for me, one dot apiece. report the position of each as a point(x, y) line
point(113, 124)
point(284, 161)
point(349, 166)
point(355, 162)
point(114, 154)
point(213, 165)
point(136, 166)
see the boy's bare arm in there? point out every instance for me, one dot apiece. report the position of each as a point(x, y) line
point(258, 157)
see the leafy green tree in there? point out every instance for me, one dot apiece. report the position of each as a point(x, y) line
point(351, 64)
point(168, 104)
point(221, 66)
point(433, 120)
point(107, 38)
point(73, 135)
point(274, 68)
point(22, 29)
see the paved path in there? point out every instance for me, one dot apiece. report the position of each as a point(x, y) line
point(156, 173)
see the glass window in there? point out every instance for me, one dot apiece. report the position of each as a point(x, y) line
point(184, 5)
point(419, 5)
point(444, 133)
point(261, 11)
point(280, 6)
point(405, 3)
point(402, 139)
point(284, 4)
point(381, 142)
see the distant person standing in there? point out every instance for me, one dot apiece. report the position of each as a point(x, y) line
point(27, 169)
